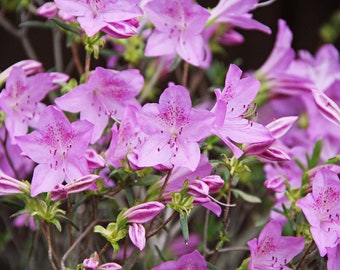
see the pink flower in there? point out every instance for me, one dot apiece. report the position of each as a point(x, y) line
point(59, 149)
point(271, 250)
point(104, 96)
point(173, 130)
point(236, 13)
point(94, 15)
point(125, 139)
point(232, 106)
point(333, 258)
point(192, 260)
point(322, 209)
point(21, 100)
point(178, 28)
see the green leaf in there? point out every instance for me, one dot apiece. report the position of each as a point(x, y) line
point(244, 265)
point(314, 160)
point(65, 26)
point(183, 219)
point(245, 196)
point(175, 63)
point(211, 266)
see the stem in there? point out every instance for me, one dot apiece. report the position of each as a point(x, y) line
point(83, 234)
point(311, 244)
point(164, 184)
point(51, 253)
point(132, 259)
point(87, 66)
point(226, 210)
point(205, 233)
point(162, 226)
point(105, 248)
point(185, 74)
point(227, 249)
point(58, 54)
point(152, 81)
point(76, 58)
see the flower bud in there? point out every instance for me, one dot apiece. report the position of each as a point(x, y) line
point(48, 10)
point(137, 235)
point(144, 212)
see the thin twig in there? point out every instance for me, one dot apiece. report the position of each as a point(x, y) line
point(58, 52)
point(51, 254)
point(132, 259)
point(87, 66)
point(228, 249)
point(5, 23)
point(311, 244)
point(185, 74)
point(145, 93)
point(162, 226)
point(76, 58)
point(83, 234)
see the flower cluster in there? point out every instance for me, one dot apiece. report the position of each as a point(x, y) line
point(126, 158)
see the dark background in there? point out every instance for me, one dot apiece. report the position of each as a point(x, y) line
point(304, 17)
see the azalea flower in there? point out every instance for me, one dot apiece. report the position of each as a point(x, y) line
point(20, 100)
point(322, 209)
point(125, 139)
point(231, 108)
point(271, 250)
point(59, 149)
point(173, 130)
point(105, 95)
point(178, 29)
point(193, 260)
point(94, 15)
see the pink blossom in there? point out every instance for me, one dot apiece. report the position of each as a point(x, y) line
point(193, 260)
point(271, 250)
point(178, 29)
point(90, 264)
point(59, 149)
point(322, 210)
point(231, 109)
point(95, 15)
point(104, 96)
point(20, 100)
point(236, 13)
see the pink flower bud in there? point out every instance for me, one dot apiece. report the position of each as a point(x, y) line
point(137, 235)
point(28, 66)
point(199, 190)
point(109, 266)
point(60, 192)
point(123, 29)
point(214, 182)
point(48, 10)
point(94, 161)
point(90, 264)
point(58, 77)
point(9, 185)
point(144, 212)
